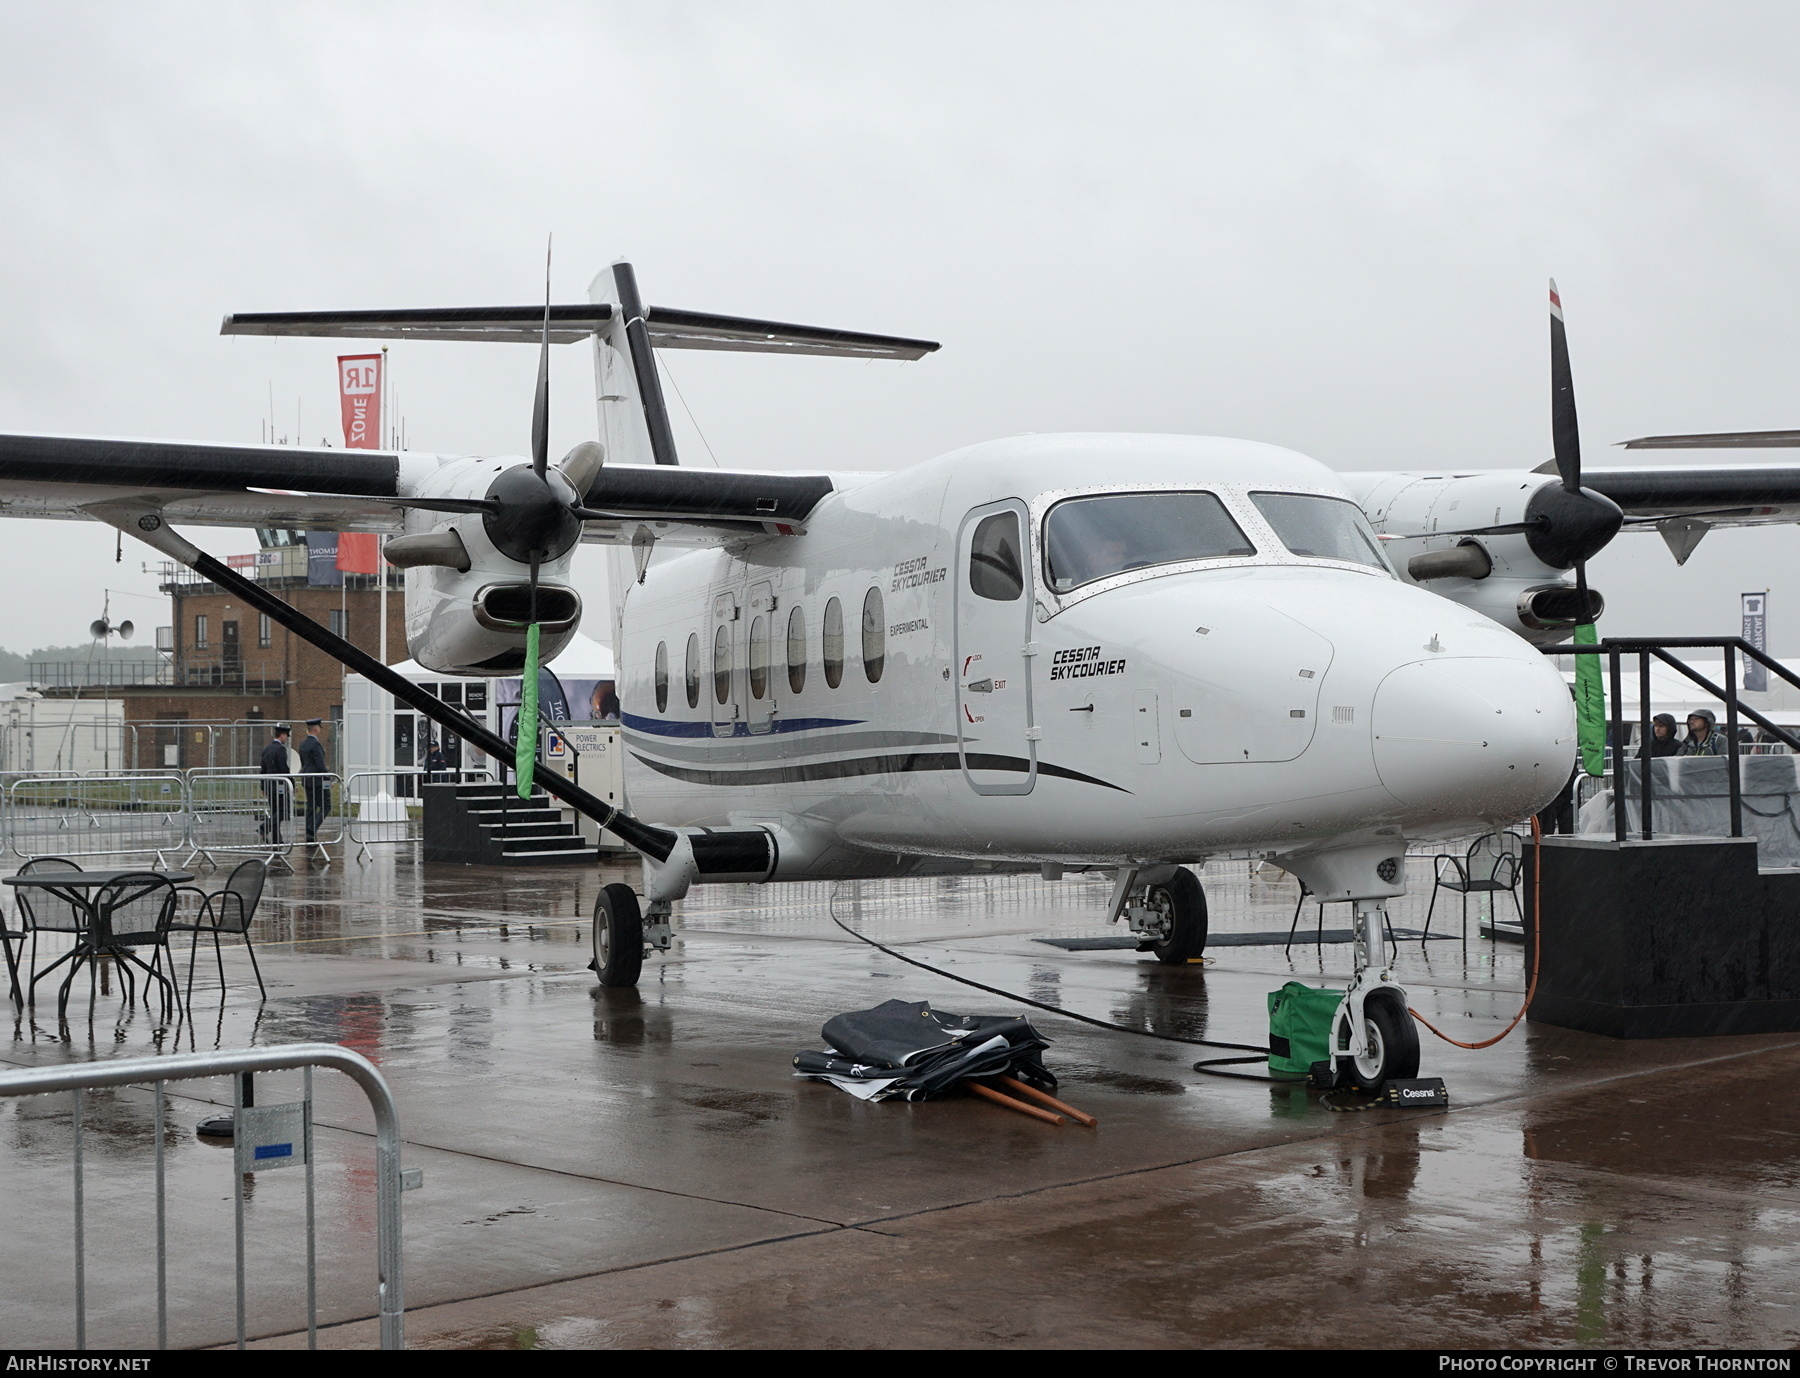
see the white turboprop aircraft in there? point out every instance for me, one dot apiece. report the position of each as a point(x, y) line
point(1123, 652)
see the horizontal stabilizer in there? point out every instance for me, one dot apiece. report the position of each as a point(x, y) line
point(668, 328)
point(1718, 440)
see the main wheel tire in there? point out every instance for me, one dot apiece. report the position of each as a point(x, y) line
point(1182, 899)
point(618, 936)
point(1393, 1044)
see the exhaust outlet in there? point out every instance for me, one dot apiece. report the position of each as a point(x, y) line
point(1466, 561)
point(1550, 606)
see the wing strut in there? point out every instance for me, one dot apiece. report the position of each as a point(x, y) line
point(149, 527)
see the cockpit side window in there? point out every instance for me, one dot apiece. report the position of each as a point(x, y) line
point(1322, 528)
point(995, 570)
point(1089, 538)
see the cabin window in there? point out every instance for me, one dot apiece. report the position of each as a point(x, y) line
point(722, 664)
point(759, 657)
point(1322, 528)
point(874, 635)
point(693, 670)
point(662, 677)
point(1089, 538)
point(832, 637)
point(796, 650)
point(995, 570)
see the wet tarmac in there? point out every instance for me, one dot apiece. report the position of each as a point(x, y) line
point(639, 1168)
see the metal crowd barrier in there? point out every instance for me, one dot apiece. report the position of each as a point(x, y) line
point(196, 813)
point(265, 1136)
point(93, 816)
point(378, 809)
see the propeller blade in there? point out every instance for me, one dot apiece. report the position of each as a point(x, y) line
point(1564, 430)
point(540, 407)
point(1504, 529)
point(1581, 588)
point(1681, 516)
point(446, 504)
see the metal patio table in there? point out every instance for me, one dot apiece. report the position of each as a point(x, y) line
point(78, 888)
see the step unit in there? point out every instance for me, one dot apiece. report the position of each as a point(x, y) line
point(489, 825)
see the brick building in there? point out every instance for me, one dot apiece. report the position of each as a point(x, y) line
point(229, 664)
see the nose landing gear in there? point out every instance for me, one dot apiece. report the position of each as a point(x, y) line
point(1373, 1038)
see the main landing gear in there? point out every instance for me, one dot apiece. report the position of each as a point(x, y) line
point(623, 938)
point(1166, 909)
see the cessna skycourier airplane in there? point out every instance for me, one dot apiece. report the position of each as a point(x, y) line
point(1117, 652)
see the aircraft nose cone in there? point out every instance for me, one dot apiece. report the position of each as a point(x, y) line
point(1488, 738)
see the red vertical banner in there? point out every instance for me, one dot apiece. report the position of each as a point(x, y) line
point(359, 389)
point(358, 552)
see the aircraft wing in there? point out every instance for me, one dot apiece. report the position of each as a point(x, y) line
point(1720, 494)
point(202, 485)
point(290, 486)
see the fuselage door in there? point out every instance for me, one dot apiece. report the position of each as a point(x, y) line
point(993, 627)
point(720, 659)
point(759, 642)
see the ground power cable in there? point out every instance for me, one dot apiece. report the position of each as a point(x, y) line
point(1039, 1004)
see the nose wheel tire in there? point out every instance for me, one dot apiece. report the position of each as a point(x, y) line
point(1183, 904)
point(618, 936)
point(1393, 1045)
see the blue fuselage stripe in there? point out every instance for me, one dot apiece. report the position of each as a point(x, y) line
point(662, 727)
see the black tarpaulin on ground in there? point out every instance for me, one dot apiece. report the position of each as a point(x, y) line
point(905, 1050)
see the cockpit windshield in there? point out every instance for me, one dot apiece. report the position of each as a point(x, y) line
point(1322, 528)
point(1089, 538)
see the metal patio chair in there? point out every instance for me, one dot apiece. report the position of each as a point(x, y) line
point(42, 912)
point(1492, 864)
point(8, 936)
point(133, 910)
point(229, 910)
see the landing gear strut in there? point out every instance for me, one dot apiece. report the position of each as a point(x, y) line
point(1373, 1038)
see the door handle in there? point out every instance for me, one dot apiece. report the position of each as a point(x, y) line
point(981, 686)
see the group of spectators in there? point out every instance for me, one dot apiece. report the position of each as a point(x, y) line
point(1703, 736)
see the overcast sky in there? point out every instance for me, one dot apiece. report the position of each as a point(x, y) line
point(1321, 225)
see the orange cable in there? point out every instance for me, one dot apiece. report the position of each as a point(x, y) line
point(1537, 894)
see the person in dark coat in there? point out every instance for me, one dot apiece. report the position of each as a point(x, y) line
point(1703, 738)
point(437, 763)
point(275, 762)
point(313, 770)
point(1663, 741)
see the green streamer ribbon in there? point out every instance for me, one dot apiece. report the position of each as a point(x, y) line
point(525, 753)
point(1590, 705)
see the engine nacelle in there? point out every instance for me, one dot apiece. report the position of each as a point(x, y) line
point(1520, 580)
point(473, 620)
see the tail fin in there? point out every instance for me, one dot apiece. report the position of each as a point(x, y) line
point(634, 419)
